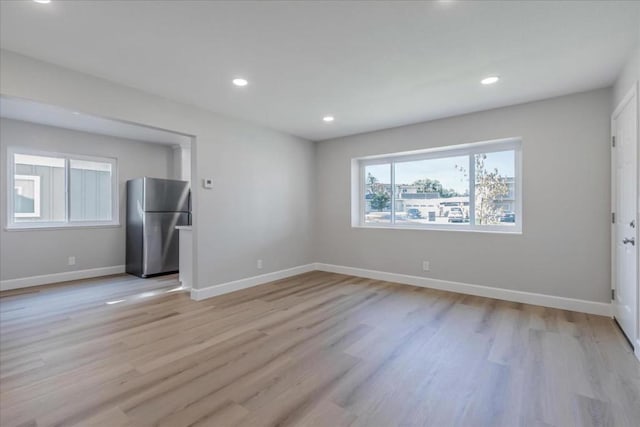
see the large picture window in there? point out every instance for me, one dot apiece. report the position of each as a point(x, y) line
point(466, 187)
point(58, 190)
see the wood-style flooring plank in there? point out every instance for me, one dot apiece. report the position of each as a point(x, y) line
point(318, 349)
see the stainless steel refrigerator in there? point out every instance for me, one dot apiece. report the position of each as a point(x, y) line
point(154, 208)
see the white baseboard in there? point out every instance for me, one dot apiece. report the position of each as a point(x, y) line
point(45, 279)
point(236, 285)
point(583, 306)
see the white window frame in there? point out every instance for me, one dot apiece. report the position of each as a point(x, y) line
point(67, 223)
point(36, 196)
point(358, 184)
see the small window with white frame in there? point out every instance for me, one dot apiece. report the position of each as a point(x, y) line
point(60, 190)
point(27, 196)
point(472, 187)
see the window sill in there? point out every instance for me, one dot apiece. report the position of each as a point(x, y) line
point(443, 228)
point(32, 227)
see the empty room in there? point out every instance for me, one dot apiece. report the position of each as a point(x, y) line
point(319, 213)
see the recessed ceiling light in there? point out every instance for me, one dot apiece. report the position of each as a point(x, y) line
point(490, 80)
point(328, 119)
point(42, 1)
point(240, 82)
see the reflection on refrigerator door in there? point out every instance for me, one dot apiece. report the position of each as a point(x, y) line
point(161, 241)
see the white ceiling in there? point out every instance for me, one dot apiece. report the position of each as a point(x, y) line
point(35, 112)
point(370, 64)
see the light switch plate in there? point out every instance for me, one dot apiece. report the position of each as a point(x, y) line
point(207, 183)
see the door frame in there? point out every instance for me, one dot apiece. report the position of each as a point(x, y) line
point(633, 92)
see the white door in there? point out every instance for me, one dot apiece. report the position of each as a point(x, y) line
point(625, 193)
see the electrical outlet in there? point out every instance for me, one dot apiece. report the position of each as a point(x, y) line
point(425, 266)
point(259, 264)
point(72, 260)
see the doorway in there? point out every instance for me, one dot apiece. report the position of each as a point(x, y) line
point(624, 128)
point(66, 181)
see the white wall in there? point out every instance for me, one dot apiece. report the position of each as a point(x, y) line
point(564, 248)
point(182, 162)
point(627, 77)
point(38, 252)
point(261, 205)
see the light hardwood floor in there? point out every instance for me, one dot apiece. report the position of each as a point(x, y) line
point(318, 349)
